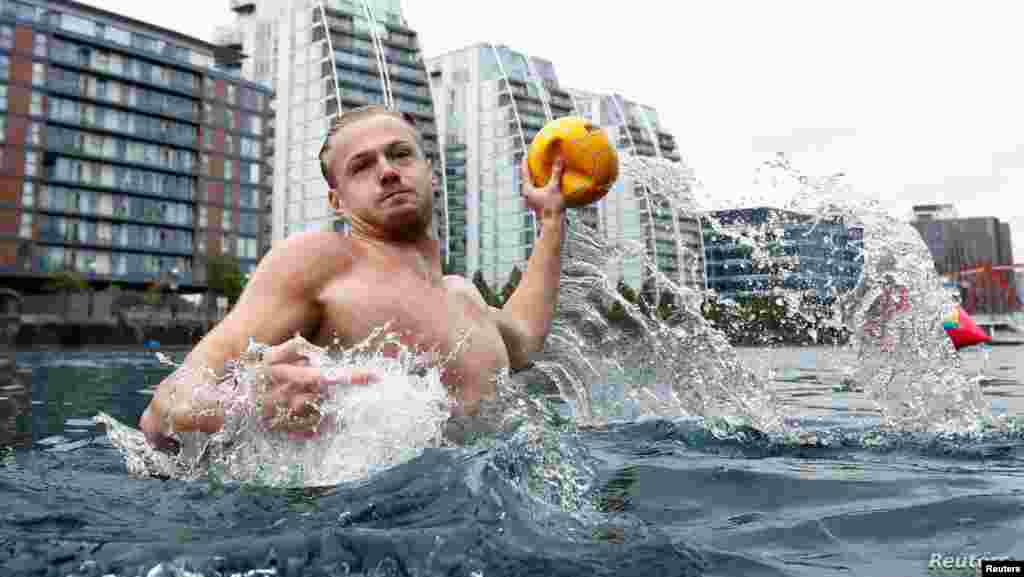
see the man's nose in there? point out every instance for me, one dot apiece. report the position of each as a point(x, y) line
point(386, 171)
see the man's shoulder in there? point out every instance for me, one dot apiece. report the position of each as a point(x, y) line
point(313, 244)
point(315, 250)
point(456, 281)
point(460, 284)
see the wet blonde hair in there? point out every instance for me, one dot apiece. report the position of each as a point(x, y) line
point(343, 119)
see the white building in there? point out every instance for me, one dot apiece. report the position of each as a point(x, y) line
point(623, 216)
point(322, 57)
point(934, 212)
point(490, 102)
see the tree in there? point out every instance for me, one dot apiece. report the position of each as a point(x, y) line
point(224, 277)
point(627, 292)
point(154, 294)
point(511, 284)
point(667, 305)
point(66, 282)
point(485, 290)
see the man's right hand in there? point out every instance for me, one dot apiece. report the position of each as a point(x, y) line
point(290, 402)
point(297, 387)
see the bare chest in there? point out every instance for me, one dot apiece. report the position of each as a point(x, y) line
point(424, 316)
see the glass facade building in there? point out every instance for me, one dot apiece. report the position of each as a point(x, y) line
point(490, 101)
point(824, 258)
point(322, 57)
point(629, 213)
point(127, 153)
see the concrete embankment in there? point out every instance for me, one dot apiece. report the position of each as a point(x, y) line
point(105, 318)
point(36, 331)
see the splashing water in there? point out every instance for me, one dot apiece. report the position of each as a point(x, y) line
point(678, 366)
point(682, 366)
point(906, 362)
point(363, 429)
point(637, 364)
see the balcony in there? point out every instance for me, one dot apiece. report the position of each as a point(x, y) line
point(228, 38)
point(243, 6)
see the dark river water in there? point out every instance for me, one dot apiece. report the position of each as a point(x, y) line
point(661, 496)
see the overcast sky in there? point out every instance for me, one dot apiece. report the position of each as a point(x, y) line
point(916, 102)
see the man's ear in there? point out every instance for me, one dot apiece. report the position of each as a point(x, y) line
point(434, 182)
point(335, 201)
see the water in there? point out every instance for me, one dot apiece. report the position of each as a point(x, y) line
point(665, 496)
point(639, 446)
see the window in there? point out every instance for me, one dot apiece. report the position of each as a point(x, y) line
point(249, 197)
point(30, 163)
point(3, 97)
point(122, 37)
point(207, 137)
point(28, 194)
point(26, 225)
point(254, 173)
point(204, 164)
point(6, 37)
point(229, 169)
point(229, 144)
point(233, 94)
point(225, 220)
point(255, 124)
point(250, 147)
point(249, 224)
point(36, 107)
point(3, 129)
point(5, 66)
point(246, 248)
point(202, 216)
point(77, 25)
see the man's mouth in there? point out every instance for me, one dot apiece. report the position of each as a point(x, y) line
point(388, 195)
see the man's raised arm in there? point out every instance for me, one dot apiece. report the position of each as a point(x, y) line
point(526, 318)
point(278, 302)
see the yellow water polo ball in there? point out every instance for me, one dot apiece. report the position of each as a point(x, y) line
point(591, 163)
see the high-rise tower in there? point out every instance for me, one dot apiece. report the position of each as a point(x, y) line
point(322, 57)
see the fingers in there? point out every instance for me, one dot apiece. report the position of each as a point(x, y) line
point(295, 378)
point(294, 350)
point(524, 170)
point(556, 173)
point(357, 377)
point(297, 391)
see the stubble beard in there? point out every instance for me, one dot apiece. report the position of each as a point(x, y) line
point(412, 228)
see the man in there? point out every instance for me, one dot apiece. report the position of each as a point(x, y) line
point(329, 287)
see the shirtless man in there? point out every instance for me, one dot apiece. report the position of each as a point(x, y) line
point(327, 285)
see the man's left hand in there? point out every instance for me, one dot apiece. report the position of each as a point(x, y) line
point(546, 202)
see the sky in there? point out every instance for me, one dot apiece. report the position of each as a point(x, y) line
point(914, 102)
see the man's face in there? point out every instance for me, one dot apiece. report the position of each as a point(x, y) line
point(383, 181)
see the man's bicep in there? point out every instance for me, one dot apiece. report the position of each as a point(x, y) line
point(273, 308)
point(513, 332)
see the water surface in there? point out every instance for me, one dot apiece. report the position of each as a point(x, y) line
point(649, 497)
